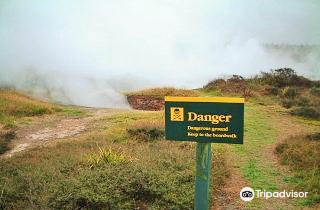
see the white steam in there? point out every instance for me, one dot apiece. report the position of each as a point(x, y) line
point(87, 52)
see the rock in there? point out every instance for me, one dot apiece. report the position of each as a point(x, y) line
point(150, 103)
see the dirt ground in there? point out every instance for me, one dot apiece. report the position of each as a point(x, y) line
point(46, 130)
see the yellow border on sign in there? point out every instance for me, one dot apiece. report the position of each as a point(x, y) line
point(205, 99)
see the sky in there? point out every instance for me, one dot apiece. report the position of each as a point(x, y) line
point(88, 52)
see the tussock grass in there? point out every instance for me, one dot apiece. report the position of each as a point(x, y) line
point(302, 154)
point(104, 155)
point(162, 92)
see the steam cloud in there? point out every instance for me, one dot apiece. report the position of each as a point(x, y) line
point(89, 52)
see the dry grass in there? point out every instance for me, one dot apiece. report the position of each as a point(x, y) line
point(162, 92)
point(147, 130)
point(302, 153)
point(14, 105)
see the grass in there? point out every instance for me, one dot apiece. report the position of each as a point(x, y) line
point(70, 111)
point(302, 154)
point(120, 173)
point(123, 162)
point(146, 130)
point(15, 105)
point(104, 155)
point(259, 134)
point(162, 92)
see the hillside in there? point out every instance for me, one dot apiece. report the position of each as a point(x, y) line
point(81, 158)
point(14, 106)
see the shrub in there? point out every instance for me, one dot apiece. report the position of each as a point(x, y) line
point(5, 138)
point(271, 90)
point(308, 112)
point(287, 103)
point(290, 92)
point(303, 101)
point(314, 137)
point(125, 186)
point(236, 79)
point(235, 84)
point(315, 91)
point(284, 77)
point(147, 130)
point(215, 84)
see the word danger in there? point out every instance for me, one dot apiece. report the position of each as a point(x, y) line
point(214, 119)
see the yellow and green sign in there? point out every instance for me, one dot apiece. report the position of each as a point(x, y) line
point(201, 119)
point(205, 121)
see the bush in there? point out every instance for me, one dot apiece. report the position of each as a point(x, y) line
point(214, 84)
point(303, 101)
point(125, 186)
point(287, 103)
point(236, 79)
point(315, 91)
point(5, 139)
point(235, 84)
point(271, 90)
point(308, 112)
point(314, 137)
point(290, 92)
point(147, 134)
point(147, 130)
point(284, 77)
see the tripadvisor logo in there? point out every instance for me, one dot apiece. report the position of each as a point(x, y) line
point(247, 194)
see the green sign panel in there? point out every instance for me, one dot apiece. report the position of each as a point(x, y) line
point(206, 120)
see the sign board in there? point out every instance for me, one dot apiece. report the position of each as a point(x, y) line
point(204, 119)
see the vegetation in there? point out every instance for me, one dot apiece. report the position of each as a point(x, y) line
point(315, 91)
point(296, 93)
point(162, 92)
point(14, 105)
point(308, 112)
point(5, 137)
point(236, 84)
point(283, 78)
point(123, 161)
point(146, 130)
point(302, 153)
point(106, 168)
point(104, 156)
